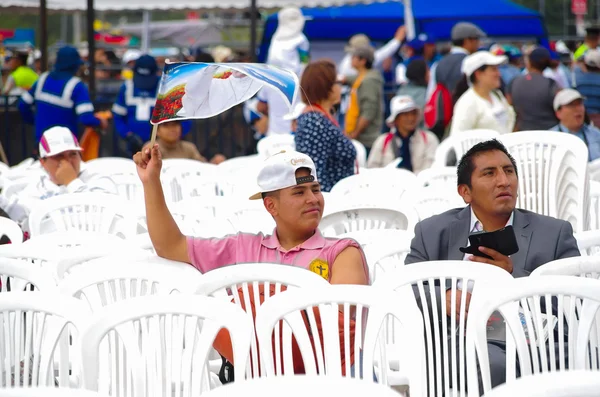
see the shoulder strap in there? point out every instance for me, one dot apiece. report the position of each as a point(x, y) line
point(386, 142)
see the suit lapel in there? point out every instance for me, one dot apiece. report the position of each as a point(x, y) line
point(523, 236)
point(459, 233)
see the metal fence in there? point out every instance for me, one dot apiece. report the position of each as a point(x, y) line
point(227, 134)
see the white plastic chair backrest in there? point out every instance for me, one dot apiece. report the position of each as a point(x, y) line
point(558, 384)
point(202, 207)
point(73, 239)
point(552, 172)
point(444, 339)
point(434, 200)
point(582, 266)
point(387, 254)
point(302, 385)
point(75, 257)
point(366, 238)
point(110, 166)
point(391, 182)
point(357, 219)
point(19, 275)
point(274, 144)
point(576, 301)
point(438, 176)
point(11, 229)
point(16, 186)
point(49, 392)
point(237, 176)
point(460, 143)
point(250, 216)
point(4, 168)
point(163, 344)
point(323, 355)
point(594, 170)
point(89, 212)
point(44, 257)
point(253, 280)
point(129, 186)
point(588, 242)
point(594, 205)
point(184, 178)
point(361, 154)
point(104, 282)
point(36, 328)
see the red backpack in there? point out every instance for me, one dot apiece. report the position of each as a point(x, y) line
point(438, 110)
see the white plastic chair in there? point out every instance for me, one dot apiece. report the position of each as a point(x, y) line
point(204, 216)
point(90, 212)
point(594, 170)
point(434, 200)
point(594, 205)
point(16, 186)
point(11, 229)
point(106, 281)
point(36, 328)
point(580, 266)
point(391, 183)
point(352, 220)
point(17, 275)
point(552, 174)
point(163, 344)
point(361, 154)
point(559, 384)
point(459, 144)
point(588, 242)
point(250, 216)
point(74, 239)
point(302, 386)
point(366, 238)
point(237, 176)
point(577, 301)
point(48, 392)
point(184, 178)
point(250, 278)
point(274, 144)
point(444, 339)
point(386, 255)
point(44, 257)
point(110, 166)
point(323, 356)
point(438, 177)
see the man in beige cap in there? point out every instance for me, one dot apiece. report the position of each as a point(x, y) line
point(569, 108)
point(361, 40)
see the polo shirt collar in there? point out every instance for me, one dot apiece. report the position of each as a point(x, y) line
point(316, 241)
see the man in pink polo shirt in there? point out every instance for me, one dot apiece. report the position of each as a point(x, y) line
point(291, 194)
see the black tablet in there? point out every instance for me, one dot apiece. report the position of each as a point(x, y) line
point(503, 241)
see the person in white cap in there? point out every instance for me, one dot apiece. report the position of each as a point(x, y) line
point(291, 193)
point(482, 105)
point(570, 110)
point(289, 50)
point(415, 148)
point(60, 156)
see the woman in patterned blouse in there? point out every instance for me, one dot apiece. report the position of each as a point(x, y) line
point(318, 134)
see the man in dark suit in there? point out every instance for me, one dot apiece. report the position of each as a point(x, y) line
point(488, 182)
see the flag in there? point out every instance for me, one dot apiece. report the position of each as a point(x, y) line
point(203, 90)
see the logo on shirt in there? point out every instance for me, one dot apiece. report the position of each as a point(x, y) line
point(320, 267)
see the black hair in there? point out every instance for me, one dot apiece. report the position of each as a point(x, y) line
point(539, 64)
point(463, 84)
point(368, 63)
point(416, 71)
point(458, 43)
point(466, 166)
point(270, 194)
point(22, 57)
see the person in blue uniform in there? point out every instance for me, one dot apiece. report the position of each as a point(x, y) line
point(134, 105)
point(60, 97)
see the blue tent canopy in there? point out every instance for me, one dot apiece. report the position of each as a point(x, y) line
point(379, 21)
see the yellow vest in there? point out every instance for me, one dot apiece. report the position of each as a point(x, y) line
point(353, 109)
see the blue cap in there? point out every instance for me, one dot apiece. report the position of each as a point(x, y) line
point(420, 41)
point(67, 59)
point(540, 54)
point(555, 56)
point(145, 73)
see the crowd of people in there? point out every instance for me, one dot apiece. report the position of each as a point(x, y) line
point(341, 109)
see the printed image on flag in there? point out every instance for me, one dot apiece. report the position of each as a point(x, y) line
point(203, 90)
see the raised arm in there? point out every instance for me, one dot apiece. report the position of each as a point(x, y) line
point(167, 239)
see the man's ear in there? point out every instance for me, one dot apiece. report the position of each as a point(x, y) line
point(465, 192)
point(270, 205)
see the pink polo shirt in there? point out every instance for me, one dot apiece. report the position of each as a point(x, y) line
point(316, 254)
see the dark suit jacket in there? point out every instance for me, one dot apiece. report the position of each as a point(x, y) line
point(541, 239)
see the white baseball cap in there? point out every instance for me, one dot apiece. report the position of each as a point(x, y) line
point(566, 96)
point(592, 58)
point(481, 58)
point(279, 172)
point(131, 56)
point(296, 111)
point(57, 140)
point(400, 104)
